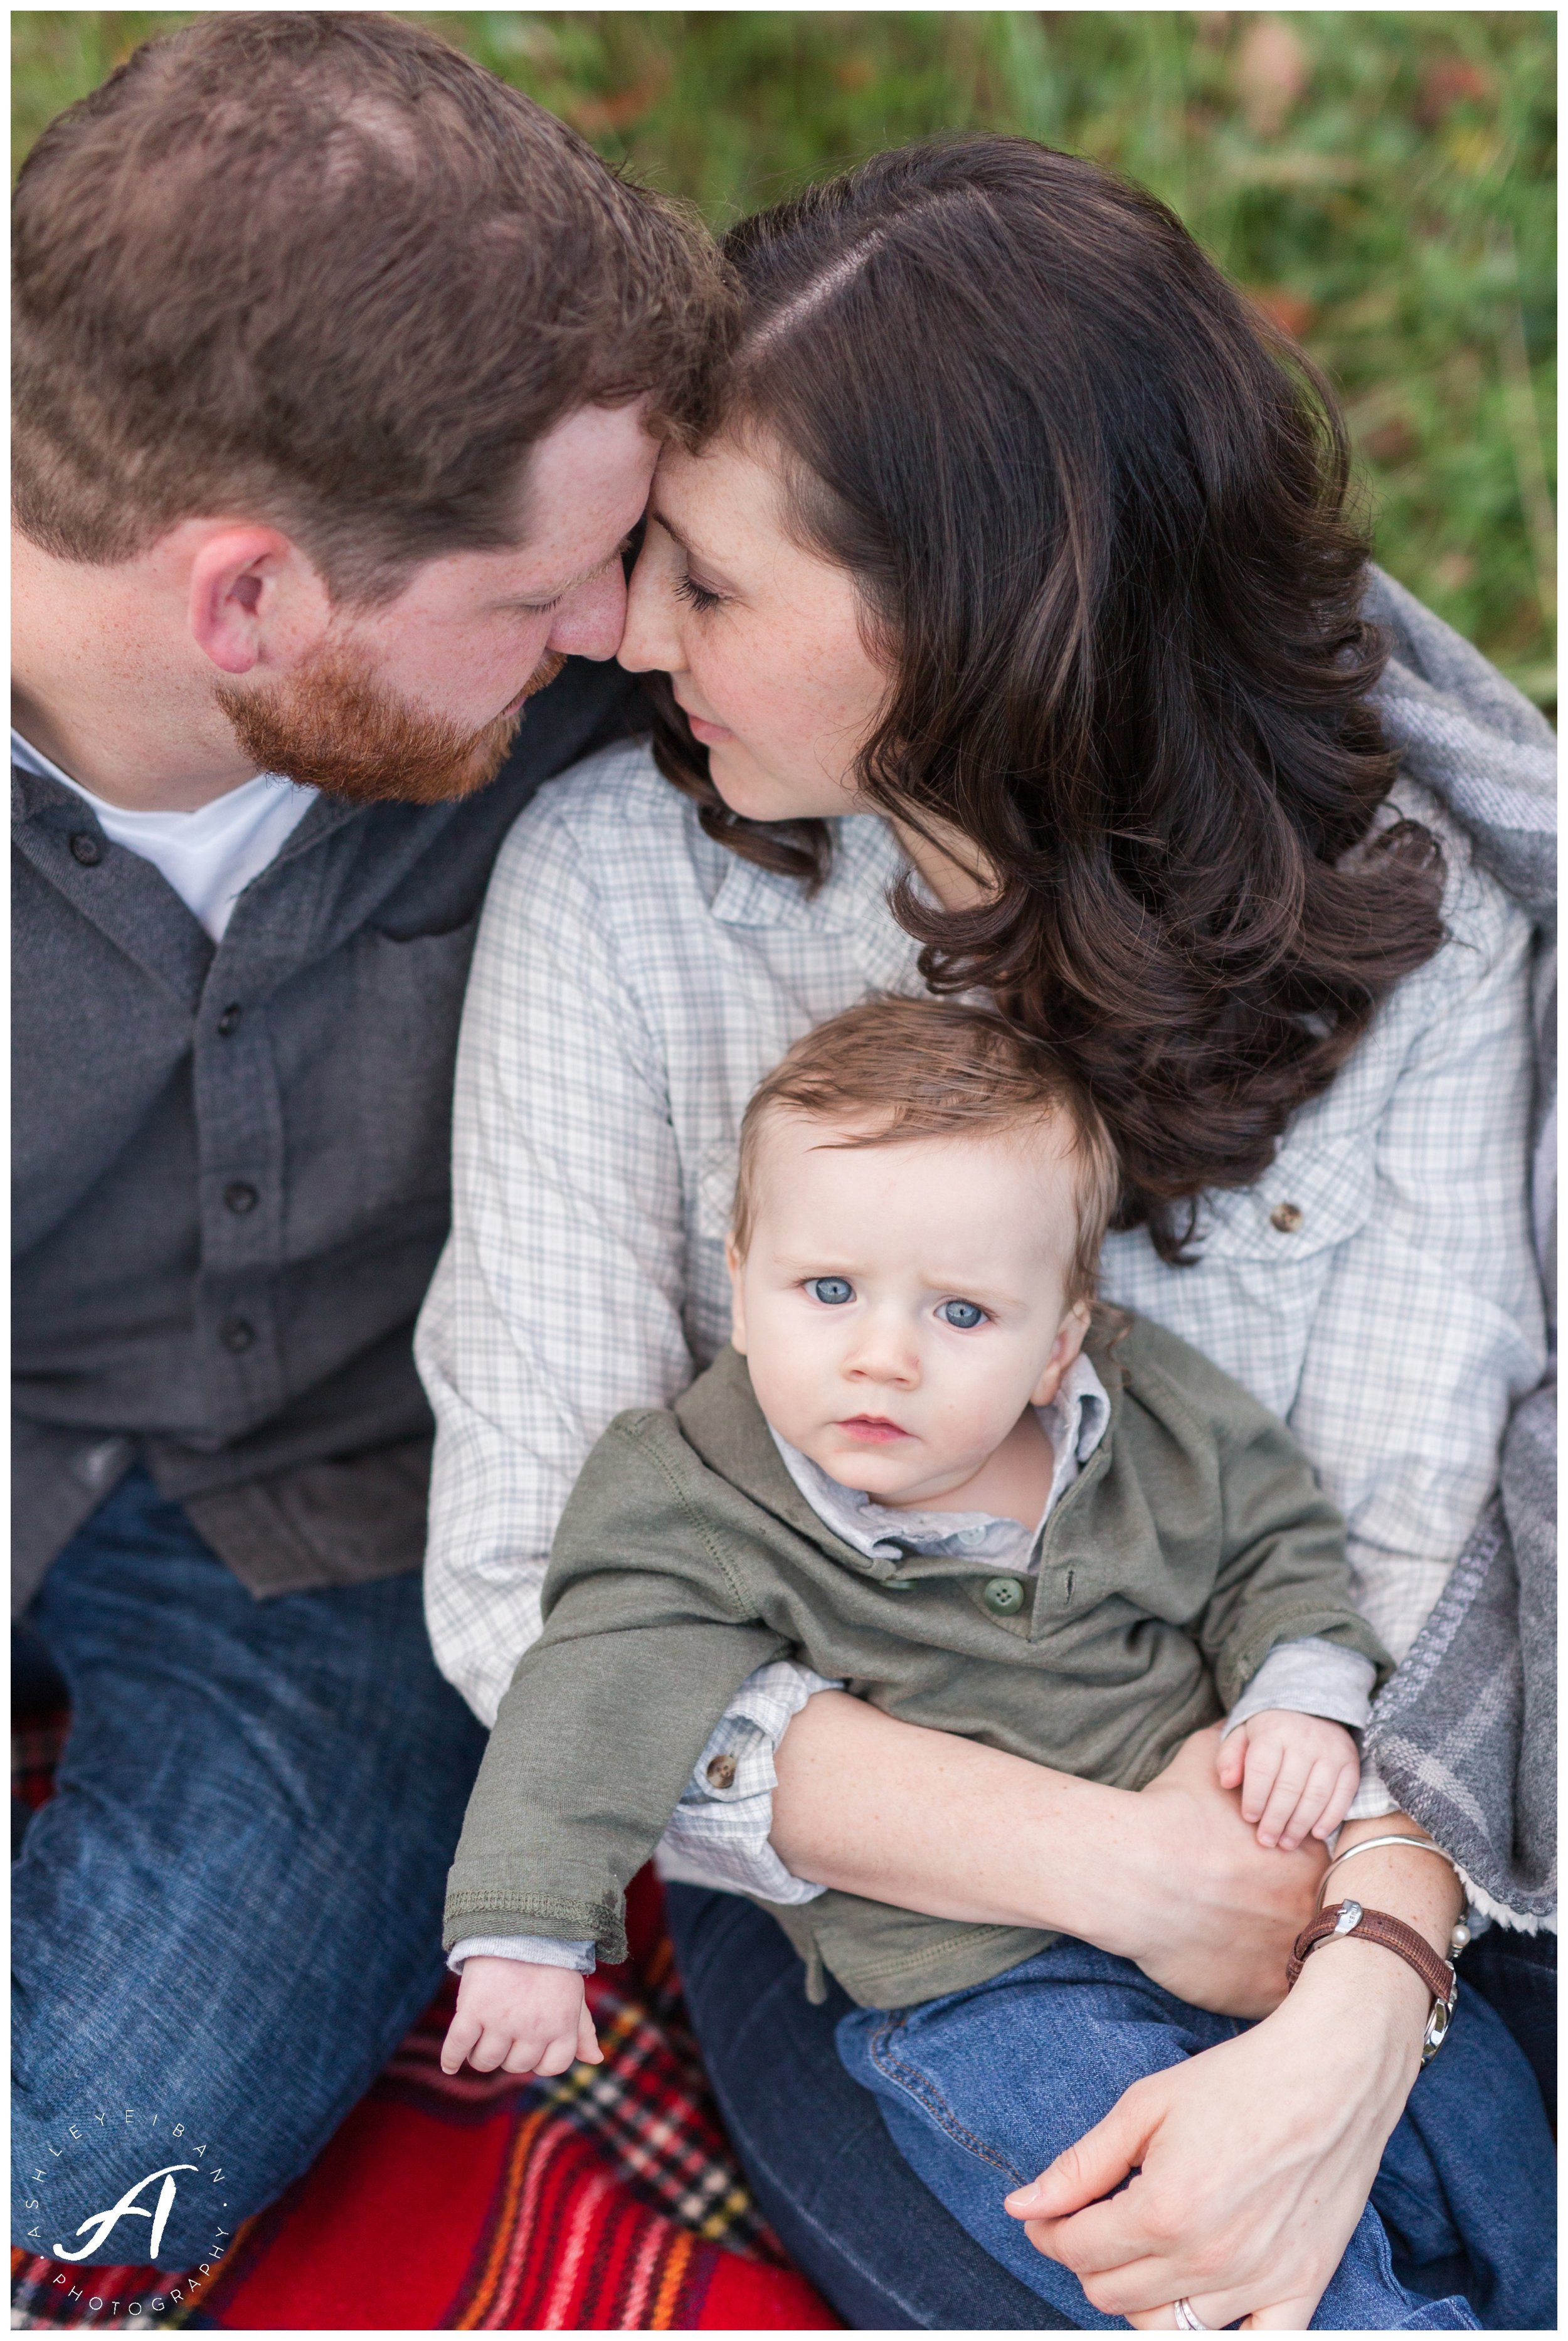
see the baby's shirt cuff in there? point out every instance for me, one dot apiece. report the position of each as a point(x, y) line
point(719, 1833)
point(538, 1950)
point(1311, 1677)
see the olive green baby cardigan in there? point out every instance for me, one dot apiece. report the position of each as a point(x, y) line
point(1194, 1539)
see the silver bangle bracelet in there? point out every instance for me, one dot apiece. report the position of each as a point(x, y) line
point(1461, 1934)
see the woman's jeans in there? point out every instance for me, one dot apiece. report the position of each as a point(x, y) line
point(843, 2199)
point(980, 2089)
point(229, 1914)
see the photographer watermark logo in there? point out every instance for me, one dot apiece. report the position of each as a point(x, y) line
point(125, 2222)
point(99, 2226)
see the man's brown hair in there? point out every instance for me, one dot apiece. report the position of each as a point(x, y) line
point(327, 271)
point(935, 1069)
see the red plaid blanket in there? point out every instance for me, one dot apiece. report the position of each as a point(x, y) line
point(607, 2200)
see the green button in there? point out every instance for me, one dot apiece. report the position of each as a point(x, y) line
point(897, 1584)
point(1004, 1595)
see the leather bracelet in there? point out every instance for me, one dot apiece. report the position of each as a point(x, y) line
point(1459, 1935)
point(1381, 1926)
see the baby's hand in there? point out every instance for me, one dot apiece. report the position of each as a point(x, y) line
point(521, 2017)
point(1296, 1773)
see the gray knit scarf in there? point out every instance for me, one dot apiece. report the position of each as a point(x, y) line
point(1465, 1733)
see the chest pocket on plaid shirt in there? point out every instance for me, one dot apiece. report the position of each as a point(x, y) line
point(1310, 1199)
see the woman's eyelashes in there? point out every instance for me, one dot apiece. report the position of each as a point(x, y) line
point(832, 1291)
point(697, 595)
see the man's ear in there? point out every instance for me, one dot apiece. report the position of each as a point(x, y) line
point(1069, 1340)
point(734, 1263)
point(254, 598)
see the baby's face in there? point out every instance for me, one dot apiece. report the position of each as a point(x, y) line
point(899, 1306)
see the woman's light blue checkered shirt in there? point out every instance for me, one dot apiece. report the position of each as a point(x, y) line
point(633, 980)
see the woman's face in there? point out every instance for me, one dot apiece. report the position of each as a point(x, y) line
point(760, 639)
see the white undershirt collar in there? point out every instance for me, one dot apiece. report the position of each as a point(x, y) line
point(209, 856)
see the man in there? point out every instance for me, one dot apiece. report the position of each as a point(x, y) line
point(339, 370)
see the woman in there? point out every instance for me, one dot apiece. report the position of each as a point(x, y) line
point(1010, 625)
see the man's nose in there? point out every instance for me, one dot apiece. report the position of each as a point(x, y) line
point(589, 622)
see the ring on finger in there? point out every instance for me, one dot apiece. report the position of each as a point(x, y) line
point(1188, 2319)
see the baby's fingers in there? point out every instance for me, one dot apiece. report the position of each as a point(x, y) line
point(527, 2053)
point(1341, 1796)
point(1230, 1757)
point(559, 2055)
point(461, 2034)
point(1310, 1804)
point(544, 2052)
point(500, 2051)
point(1283, 1798)
point(588, 2048)
point(1262, 1763)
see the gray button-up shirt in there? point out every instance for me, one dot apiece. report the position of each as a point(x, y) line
point(255, 1353)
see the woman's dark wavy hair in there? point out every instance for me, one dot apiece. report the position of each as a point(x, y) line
point(1096, 510)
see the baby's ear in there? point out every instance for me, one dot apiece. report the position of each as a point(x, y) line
point(733, 1262)
point(1069, 1340)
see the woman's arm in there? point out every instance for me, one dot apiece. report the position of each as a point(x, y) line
point(1254, 2161)
point(1172, 1878)
point(559, 1298)
point(1429, 1324)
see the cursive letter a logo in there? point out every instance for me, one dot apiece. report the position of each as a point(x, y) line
point(127, 2208)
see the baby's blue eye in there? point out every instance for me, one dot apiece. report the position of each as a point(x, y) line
point(832, 1289)
point(965, 1314)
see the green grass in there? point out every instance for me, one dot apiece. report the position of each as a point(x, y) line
point(1383, 181)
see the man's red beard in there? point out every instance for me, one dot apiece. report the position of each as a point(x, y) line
point(330, 725)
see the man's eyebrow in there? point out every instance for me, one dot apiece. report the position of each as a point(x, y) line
point(554, 592)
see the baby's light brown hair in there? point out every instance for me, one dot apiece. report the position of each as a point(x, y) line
point(935, 1069)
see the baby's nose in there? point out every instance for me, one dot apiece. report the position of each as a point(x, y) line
point(883, 1357)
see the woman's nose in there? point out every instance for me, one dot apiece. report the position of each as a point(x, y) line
point(651, 640)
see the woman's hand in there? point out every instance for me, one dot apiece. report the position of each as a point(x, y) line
point(1172, 1878)
point(1254, 2161)
point(1216, 1922)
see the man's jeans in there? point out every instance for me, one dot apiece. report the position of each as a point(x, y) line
point(980, 2089)
point(230, 1913)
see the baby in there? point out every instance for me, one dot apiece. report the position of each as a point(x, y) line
point(930, 1470)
